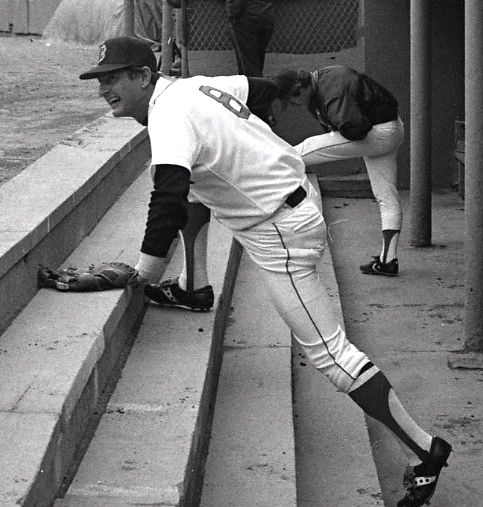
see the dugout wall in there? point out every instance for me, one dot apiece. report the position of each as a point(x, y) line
point(385, 38)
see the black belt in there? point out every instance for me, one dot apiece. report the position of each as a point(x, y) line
point(296, 197)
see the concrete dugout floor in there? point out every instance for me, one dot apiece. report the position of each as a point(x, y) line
point(408, 325)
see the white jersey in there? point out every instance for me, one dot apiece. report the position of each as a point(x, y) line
point(239, 168)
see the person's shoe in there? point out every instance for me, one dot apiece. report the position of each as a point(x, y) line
point(421, 480)
point(169, 293)
point(376, 267)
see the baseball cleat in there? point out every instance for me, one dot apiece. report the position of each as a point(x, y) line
point(421, 480)
point(169, 293)
point(376, 267)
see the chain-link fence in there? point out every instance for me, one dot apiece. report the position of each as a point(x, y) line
point(301, 26)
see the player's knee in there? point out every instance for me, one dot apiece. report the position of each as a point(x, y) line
point(337, 358)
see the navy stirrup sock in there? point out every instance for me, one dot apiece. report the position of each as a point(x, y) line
point(389, 240)
point(198, 216)
point(373, 397)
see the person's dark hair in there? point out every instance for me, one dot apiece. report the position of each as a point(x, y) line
point(289, 82)
point(285, 81)
point(304, 78)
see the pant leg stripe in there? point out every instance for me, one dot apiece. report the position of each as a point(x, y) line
point(314, 151)
point(305, 308)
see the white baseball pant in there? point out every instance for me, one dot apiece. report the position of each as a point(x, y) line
point(287, 248)
point(379, 151)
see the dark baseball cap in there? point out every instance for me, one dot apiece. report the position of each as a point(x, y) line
point(121, 53)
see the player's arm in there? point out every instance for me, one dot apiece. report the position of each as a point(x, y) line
point(345, 115)
point(261, 93)
point(167, 214)
point(343, 110)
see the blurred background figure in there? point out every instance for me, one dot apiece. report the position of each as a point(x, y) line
point(251, 28)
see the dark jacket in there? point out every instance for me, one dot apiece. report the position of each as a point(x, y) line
point(349, 101)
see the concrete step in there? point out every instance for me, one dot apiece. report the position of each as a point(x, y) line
point(335, 464)
point(150, 446)
point(58, 349)
point(57, 356)
point(47, 210)
point(56, 359)
point(349, 185)
point(251, 459)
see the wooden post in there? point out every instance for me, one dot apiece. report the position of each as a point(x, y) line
point(471, 357)
point(167, 38)
point(182, 37)
point(128, 18)
point(420, 125)
point(474, 175)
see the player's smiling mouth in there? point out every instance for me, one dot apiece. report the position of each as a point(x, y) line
point(113, 100)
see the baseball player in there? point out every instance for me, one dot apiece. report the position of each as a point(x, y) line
point(360, 119)
point(203, 135)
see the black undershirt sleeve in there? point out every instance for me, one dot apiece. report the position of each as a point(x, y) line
point(345, 114)
point(261, 93)
point(168, 209)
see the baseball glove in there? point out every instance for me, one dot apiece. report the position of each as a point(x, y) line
point(108, 275)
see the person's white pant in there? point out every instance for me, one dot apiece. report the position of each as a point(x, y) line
point(379, 151)
point(287, 248)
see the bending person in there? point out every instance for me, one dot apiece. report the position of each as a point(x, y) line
point(360, 118)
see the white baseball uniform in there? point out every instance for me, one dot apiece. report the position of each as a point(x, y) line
point(244, 173)
point(379, 149)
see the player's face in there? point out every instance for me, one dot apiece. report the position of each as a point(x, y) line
point(124, 94)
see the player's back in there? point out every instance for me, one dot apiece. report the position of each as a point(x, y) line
point(240, 168)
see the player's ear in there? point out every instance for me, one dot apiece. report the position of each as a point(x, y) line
point(146, 74)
